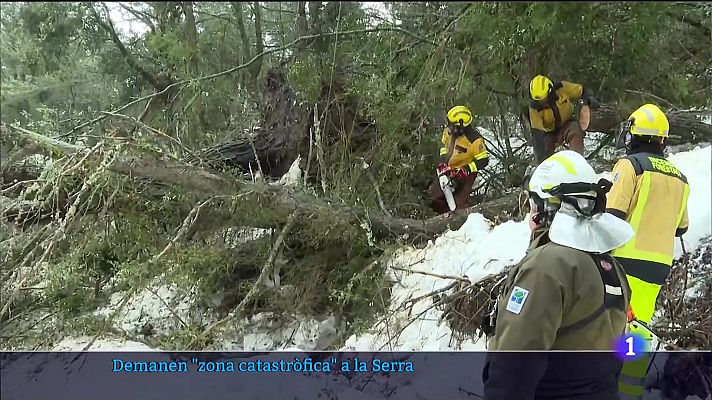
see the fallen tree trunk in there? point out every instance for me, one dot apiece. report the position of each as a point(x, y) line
point(685, 126)
point(285, 200)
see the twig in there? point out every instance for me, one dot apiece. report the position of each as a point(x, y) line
point(651, 95)
point(378, 194)
point(685, 257)
point(425, 296)
point(243, 66)
point(11, 190)
point(269, 265)
point(319, 148)
point(388, 317)
point(600, 147)
point(311, 147)
point(171, 309)
point(266, 271)
point(186, 226)
point(435, 304)
point(257, 158)
point(458, 278)
point(144, 113)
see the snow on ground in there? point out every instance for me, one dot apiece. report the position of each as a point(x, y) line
point(266, 331)
point(477, 249)
point(106, 344)
point(162, 307)
point(474, 251)
point(696, 165)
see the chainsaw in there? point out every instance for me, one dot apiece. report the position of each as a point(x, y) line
point(446, 186)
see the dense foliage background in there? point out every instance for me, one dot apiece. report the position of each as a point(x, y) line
point(375, 84)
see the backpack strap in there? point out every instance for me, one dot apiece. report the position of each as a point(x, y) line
point(637, 160)
point(613, 297)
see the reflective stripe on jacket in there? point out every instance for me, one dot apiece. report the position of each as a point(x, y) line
point(466, 150)
point(651, 194)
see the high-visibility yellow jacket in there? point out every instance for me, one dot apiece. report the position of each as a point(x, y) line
point(552, 113)
point(651, 194)
point(467, 150)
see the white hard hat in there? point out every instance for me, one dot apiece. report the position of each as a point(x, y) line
point(566, 166)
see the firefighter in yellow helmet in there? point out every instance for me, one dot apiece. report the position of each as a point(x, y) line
point(463, 154)
point(651, 194)
point(551, 115)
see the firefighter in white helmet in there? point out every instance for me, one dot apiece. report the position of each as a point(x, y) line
point(567, 293)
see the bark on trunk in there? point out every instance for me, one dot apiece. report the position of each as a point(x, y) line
point(281, 199)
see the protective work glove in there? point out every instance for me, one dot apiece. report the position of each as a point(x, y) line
point(592, 102)
point(459, 173)
point(630, 314)
point(444, 169)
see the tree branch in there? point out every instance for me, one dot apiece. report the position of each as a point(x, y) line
point(237, 68)
point(259, 43)
point(691, 21)
point(109, 28)
point(141, 16)
point(413, 271)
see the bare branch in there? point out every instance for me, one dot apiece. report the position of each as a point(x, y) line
point(108, 26)
point(413, 271)
point(243, 66)
point(142, 16)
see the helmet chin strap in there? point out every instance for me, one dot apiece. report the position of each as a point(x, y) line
point(457, 128)
point(545, 210)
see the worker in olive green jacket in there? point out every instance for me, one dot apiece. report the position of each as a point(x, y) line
point(567, 293)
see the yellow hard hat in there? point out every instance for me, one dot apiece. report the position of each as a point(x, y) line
point(460, 114)
point(649, 120)
point(539, 87)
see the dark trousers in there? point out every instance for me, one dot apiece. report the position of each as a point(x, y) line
point(545, 143)
point(463, 189)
